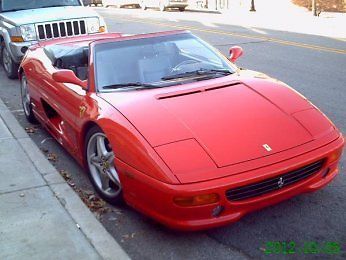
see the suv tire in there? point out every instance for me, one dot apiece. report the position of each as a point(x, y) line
point(9, 65)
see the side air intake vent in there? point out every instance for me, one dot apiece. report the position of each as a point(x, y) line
point(180, 94)
point(224, 86)
point(174, 95)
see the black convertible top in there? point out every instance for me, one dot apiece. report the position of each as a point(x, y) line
point(67, 56)
point(72, 57)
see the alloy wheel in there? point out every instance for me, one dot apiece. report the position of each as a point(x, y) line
point(6, 60)
point(25, 96)
point(100, 158)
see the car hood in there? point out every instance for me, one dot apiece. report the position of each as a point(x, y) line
point(232, 121)
point(48, 15)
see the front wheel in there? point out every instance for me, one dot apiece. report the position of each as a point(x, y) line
point(10, 66)
point(181, 9)
point(26, 101)
point(101, 168)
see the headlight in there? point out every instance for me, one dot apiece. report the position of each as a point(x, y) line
point(28, 32)
point(93, 25)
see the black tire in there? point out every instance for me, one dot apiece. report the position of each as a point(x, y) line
point(26, 101)
point(9, 65)
point(117, 197)
point(181, 9)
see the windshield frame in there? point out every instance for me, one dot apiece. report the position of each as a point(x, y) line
point(38, 7)
point(95, 44)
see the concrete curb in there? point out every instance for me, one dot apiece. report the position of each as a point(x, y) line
point(104, 244)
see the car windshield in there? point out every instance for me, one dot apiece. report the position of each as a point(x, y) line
point(157, 61)
point(16, 5)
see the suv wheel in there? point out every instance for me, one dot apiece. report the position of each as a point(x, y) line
point(10, 67)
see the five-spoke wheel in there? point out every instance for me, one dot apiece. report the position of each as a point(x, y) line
point(26, 100)
point(101, 167)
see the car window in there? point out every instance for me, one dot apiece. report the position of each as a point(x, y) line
point(149, 60)
point(15, 5)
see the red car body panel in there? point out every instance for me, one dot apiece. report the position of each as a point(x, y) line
point(198, 138)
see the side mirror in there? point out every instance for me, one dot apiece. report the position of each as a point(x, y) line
point(68, 76)
point(234, 53)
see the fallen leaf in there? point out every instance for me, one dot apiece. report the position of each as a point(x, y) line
point(52, 157)
point(31, 129)
point(65, 175)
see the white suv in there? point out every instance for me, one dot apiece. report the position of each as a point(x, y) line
point(24, 23)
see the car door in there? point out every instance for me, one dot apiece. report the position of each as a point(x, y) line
point(62, 105)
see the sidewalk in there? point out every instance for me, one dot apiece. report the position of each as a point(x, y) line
point(41, 217)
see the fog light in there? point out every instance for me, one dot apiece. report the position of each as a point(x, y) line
point(197, 200)
point(24, 49)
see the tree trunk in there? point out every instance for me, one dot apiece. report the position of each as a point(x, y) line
point(314, 9)
point(252, 9)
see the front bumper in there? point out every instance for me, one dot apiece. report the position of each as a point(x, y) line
point(155, 198)
point(17, 49)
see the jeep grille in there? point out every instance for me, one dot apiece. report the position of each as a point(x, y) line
point(47, 31)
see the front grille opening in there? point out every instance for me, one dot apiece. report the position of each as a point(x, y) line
point(276, 183)
point(49, 34)
point(76, 27)
point(62, 29)
point(82, 27)
point(41, 33)
point(55, 30)
point(69, 28)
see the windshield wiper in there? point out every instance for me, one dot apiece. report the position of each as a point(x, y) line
point(199, 72)
point(135, 85)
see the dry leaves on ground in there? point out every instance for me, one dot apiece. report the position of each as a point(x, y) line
point(52, 157)
point(31, 129)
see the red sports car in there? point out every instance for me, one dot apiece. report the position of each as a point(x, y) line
point(167, 123)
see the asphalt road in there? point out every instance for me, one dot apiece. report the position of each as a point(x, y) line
point(316, 72)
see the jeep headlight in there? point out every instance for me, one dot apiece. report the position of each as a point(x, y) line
point(28, 32)
point(93, 25)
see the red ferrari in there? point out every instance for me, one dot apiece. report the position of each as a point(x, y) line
point(168, 124)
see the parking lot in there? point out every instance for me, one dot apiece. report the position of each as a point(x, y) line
point(310, 64)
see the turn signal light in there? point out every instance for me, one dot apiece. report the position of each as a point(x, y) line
point(17, 39)
point(102, 29)
point(197, 200)
point(335, 155)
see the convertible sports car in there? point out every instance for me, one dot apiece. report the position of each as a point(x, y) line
point(174, 128)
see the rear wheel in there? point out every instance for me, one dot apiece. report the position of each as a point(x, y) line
point(26, 101)
point(101, 168)
point(10, 66)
